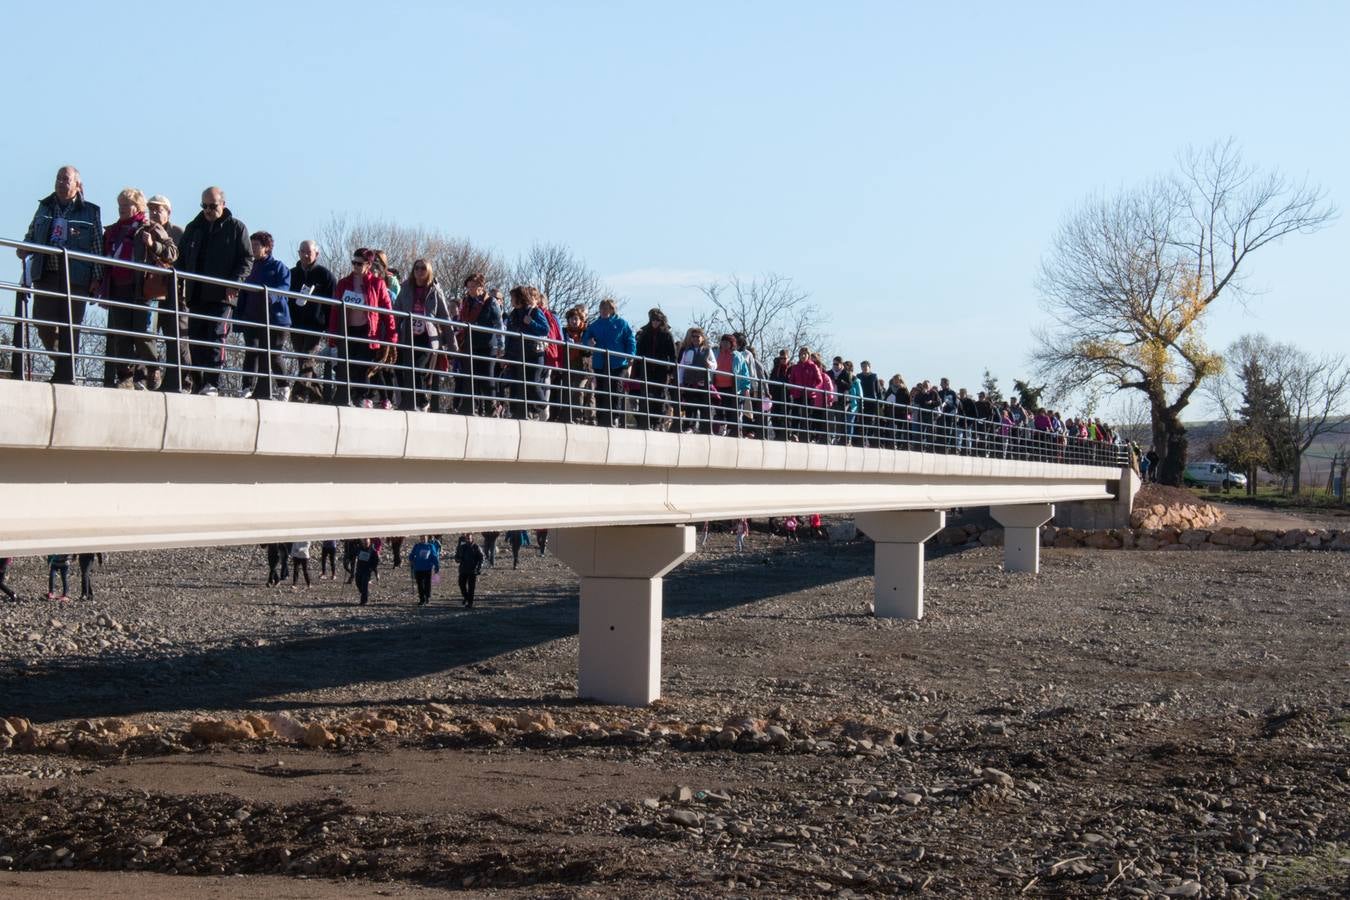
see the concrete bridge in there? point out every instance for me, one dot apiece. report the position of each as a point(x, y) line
point(85, 469)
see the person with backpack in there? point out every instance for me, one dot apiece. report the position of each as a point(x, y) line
point(425, 560)
point(470, 558)
point(364, 567)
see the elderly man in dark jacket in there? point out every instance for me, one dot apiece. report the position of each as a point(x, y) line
point(64, 219)
point(215, 243)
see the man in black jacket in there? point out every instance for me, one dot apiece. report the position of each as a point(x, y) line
point(215, 243)
point(64, 219)
point(987, 416)
point(309, 320)
point(871, 394)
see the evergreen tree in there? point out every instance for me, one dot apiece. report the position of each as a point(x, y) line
point(1266, 413)
point(990, 387)
point(1029, 394)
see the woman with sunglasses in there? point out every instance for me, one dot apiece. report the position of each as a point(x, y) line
point(364, 316)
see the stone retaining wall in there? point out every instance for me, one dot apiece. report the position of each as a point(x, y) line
point(1184, 517)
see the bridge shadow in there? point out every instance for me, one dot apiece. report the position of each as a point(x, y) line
point(387, 644)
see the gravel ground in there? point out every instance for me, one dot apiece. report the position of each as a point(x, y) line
point(1127, 724)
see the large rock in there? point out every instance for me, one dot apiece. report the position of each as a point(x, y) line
point(216, 731)
point(317, 736)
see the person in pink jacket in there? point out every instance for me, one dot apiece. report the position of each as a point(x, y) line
point(369, 338)
point(807, 386)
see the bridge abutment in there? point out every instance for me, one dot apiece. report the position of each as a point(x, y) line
point(621, 570)
point(898, 538)
point(1022, 534)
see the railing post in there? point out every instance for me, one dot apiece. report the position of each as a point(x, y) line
point(70, 318)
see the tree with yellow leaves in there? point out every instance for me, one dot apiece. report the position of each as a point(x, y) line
point(1129, 280)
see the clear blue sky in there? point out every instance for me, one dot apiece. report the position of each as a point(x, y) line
point(907, 165)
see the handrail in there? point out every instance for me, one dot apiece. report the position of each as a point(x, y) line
point(456, 377)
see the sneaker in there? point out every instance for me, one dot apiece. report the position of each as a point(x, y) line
point(51, 595)
point(209, 390)
point(284, 395)
point(63, 599)
point(366, 404)
point(387, 405)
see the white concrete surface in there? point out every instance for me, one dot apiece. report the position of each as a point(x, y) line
point(145, 469)
point(621, 592)
point(1022, 534)
point(897, 587)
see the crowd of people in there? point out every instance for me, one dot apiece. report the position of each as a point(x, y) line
point(371, 338)
point(361, 559)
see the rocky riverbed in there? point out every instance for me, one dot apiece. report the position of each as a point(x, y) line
point(1123, 725)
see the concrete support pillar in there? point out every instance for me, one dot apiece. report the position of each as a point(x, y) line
point(898, 536)
point(1022, 534)
point(621, 570)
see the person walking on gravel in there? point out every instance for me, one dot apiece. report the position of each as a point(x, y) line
point(425, 560)
point(364, 566)
point(4, 588)
point(790, 525)
point(58, 564)
point(514, 539)
point(742, 531)
point(87, 574)
point(470, 558)
point(273, 560)
point(299, 563)
point(328, 559)
point(490, 547)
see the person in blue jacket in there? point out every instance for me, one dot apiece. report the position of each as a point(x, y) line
point(424, 559)
point(255, 312)
point(614, 343)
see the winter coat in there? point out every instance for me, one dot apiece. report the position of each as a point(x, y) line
point(273, 273)
point(525, 321)
point(310, 315)
point(219, 249)
point(614, 343)
point(436, 308)
point(382, 325)
point(655, 346)
point(811, 382)
point(84, 234)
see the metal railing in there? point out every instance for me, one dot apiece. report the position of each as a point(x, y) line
point(473, 370)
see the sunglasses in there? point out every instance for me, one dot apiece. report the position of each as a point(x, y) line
point(210, 206)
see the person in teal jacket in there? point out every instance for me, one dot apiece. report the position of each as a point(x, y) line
point(852, 390)
point(614, 343)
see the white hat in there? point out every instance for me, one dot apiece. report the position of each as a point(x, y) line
point(160, 200)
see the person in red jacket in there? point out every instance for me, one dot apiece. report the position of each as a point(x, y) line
point(363, 329)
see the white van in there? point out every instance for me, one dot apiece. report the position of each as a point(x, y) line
point(1212, 474)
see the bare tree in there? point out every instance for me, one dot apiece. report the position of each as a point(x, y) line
point(563, 277)
point(1128, 280)
point(770, 311)
point(452, 258)
point(1311, 393)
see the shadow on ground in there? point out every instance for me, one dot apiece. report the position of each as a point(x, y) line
point(394, 645)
